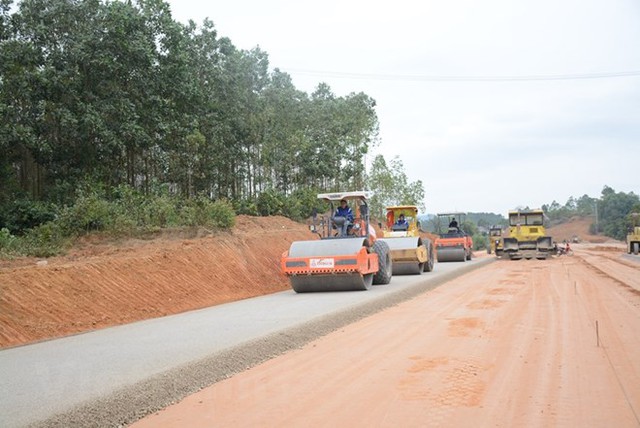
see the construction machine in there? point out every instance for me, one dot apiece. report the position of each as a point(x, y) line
point(496, 245)
point(347, 257)
point(633, 237)
point(527, 236)
point(454, 245)
point(411, 254)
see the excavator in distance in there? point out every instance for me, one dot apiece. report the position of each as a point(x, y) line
point(348, 255)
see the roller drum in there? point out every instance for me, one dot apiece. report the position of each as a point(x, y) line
point(331, 282)
point(326, 247)
point(451, 254)
point(408, 255)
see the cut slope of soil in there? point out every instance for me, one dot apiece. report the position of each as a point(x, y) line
point(577, 227)
point(97, 286)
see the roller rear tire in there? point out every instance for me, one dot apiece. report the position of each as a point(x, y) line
point(428, 265)
point(385, 266)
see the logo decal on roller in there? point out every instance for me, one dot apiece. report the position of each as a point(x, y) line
point(321, 263)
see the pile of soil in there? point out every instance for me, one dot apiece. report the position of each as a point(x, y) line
point(101, 284)
point(577, 227)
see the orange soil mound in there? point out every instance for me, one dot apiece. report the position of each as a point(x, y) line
point(97, 286)
point(576, 226)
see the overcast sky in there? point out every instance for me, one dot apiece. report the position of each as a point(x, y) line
point(492, 104)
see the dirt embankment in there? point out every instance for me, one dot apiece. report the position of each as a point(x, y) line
point(105, 285)
point(577, 227)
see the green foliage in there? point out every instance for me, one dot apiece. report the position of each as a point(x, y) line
point(245, 206)
point(302, 203)
point(487, 220)
point(583, 206)
point(391, 186)
point(25, 213)
point(270, 202)
point(89, 213)
point(297, 206)
point(120, 94)
point(42, 241)
point(45, 240)
point(106, 105)
point(202, 211)
point(125, 212)
point(613, 211)
point(8, 242)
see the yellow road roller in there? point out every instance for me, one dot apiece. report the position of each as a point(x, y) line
point(411, 254)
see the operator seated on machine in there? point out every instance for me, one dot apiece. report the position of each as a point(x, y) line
point(401, 224)
point(345, 212)
point(453, 226)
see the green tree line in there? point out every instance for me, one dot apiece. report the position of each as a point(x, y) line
point(612, 211)
point(114, 116)
point(116, 92)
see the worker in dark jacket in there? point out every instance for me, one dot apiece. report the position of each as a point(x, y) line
point(345, 211)
point(402, 223)
point(453, 224)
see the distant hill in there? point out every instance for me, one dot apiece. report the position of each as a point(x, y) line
point(576, 228)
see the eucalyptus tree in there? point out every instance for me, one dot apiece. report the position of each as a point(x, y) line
point(285, 118)
point(360, 130)
point(39, 91)
point(391, 186)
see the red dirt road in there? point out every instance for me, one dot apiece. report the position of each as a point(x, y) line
point(527, 343)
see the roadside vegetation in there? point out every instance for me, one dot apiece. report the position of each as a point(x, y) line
point(116, 118)
point(44, 229)
point(611, 212)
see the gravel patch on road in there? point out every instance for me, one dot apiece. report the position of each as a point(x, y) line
point(135, 402)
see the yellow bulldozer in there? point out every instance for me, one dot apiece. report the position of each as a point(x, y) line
point(410, 253)
point(527, 236)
